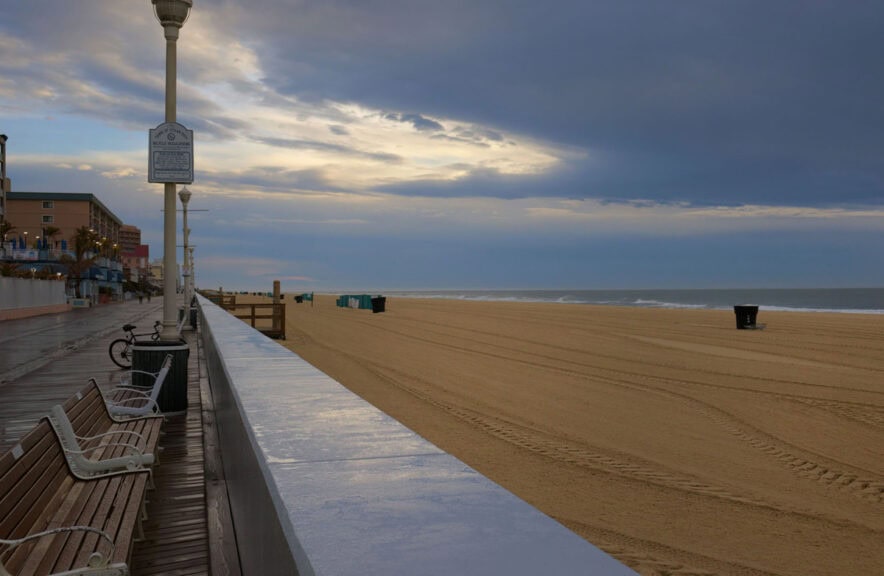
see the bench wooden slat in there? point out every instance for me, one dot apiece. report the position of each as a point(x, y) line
point(94, 513)
point(30, 486)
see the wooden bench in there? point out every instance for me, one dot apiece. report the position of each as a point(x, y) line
point(88, 430)
point(53, 521)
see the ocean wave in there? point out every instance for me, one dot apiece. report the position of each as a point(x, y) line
point(832, 301)
point(829, 310)
point(659, 304)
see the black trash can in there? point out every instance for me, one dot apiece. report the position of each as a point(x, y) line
point(193, 311)
point(747, 315)
point(148, 357)
point(299, 299)
point(378, 304)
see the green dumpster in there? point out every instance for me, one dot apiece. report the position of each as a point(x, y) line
point(148, 357)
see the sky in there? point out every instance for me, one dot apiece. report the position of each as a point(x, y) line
point(499, 144)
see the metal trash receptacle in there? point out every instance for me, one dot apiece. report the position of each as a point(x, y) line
point(193, 312)
point(148, 357)
point(378, 304)
point(747, 315)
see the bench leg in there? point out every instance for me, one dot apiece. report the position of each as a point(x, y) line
point(139, 525)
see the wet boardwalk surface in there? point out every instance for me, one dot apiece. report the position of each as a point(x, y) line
point(67, 349)
point(29, 343)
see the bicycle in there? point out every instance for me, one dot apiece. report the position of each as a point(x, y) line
point(120, 350)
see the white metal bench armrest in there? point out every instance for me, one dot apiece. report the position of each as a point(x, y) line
point(87, 439)
point(83, 467)
point(132, 448)
point(154, 374)
point(144, 393)
point(150, 406)
point(98, 564)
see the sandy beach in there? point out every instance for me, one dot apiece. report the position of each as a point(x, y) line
point(668, 438)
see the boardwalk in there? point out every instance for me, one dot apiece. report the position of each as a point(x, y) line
point(177, 531)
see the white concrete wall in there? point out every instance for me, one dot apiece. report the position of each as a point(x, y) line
point(18, 293)
point(323, 483)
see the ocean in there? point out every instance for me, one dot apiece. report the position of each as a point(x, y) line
point(844, 300)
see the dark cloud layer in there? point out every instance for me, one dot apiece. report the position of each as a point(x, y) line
point(700, 101)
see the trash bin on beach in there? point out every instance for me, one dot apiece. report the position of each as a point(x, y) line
point(746, 316)
point(193, 311)
point(378, 304)
point(148, 357)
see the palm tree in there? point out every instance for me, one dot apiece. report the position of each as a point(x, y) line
point(84, 243)
point(8, 268)
point(49, 233)
point(5, 227)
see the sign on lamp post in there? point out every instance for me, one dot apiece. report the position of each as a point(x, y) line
point(170, 154)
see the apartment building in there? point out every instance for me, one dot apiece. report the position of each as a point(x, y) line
point(32, 212)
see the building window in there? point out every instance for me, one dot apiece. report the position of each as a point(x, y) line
point(47, 204)
point(48, 219)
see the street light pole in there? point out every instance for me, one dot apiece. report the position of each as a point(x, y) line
point(185, 195)
point(3, 183)
point(192, 271)
point(171, 14)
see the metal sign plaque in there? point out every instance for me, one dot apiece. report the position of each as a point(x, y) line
point(170, 154)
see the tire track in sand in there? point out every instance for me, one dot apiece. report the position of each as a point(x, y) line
point(645, 555)
point(805, 464)
point(560, 449)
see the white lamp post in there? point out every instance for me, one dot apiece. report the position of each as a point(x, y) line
point(185, 195)
point(171, 14)
point(192, 271)
point(3, 183)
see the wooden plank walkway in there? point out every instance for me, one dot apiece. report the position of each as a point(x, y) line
point(176, 532)
point(183, 535)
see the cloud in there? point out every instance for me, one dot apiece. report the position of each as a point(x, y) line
point(704, 103)
point(506, 126)
point(420, 123)
point(119, 173)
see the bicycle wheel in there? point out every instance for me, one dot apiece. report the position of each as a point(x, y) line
point(120, 353)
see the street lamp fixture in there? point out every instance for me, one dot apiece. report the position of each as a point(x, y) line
point(172, 12)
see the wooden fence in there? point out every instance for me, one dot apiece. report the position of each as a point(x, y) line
point(268, 318)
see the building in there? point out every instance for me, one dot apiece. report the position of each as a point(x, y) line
point(136, 264)
point(134, 254)
point(130, 238)
point(44, 226)
point(33, 212)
